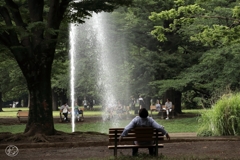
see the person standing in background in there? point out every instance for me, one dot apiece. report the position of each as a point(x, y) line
point(85, 103)
point(141, 102)
point(133, 103)
point(22, 103)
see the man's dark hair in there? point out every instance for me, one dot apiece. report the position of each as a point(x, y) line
point(143, 113)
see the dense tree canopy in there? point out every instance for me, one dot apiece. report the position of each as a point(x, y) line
point(185, 49)
point(29, 31)
point(210, 32)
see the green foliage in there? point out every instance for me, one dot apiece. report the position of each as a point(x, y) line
point(208, 32)
point(12, 82)
point(223, 118)
point(179, 16)
point(80, 10)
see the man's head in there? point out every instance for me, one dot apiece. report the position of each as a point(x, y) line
point(143, 113)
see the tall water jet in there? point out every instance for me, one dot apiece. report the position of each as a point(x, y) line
point(98, 56)
point(111, 58)
point(107, 71)
point(72, 34)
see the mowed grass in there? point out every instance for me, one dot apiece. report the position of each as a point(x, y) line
point(175, 125)
point(12, 112)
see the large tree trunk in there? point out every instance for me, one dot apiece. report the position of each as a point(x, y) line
point(40, 118)
point(175, 97)
point(54, 100)
point(147, 102)
point(63, 97)
point(1, 102)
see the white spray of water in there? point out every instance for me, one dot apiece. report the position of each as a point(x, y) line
point(94, 34)
point(72, 71)
point(107, 67)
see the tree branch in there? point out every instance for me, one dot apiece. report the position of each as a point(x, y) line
point(236, 21)
point(55, 16)
point(36, 15)
point(17, 18)
point(13, 7)
point(11, 36)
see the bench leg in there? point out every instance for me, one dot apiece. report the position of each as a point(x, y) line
point(162, 114)
point(115, 152)
point(19, 119)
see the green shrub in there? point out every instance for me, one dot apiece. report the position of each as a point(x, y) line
point(223, 118)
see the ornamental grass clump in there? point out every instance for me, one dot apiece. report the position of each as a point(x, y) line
point(223, 118)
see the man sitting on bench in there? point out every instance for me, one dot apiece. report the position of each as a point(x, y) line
point(64, 109)
point(143, 121)
point(168, 107)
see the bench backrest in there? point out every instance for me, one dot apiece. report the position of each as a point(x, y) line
point(22, 113)
point(163, 106)
point(136, 134)
point(152, 107)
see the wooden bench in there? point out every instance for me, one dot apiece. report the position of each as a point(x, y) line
point(162, 112)
point(136, 134)
point(22, 114)
point(153, 108)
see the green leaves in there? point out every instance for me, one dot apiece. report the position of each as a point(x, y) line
point(181, 16)
point(223, 118)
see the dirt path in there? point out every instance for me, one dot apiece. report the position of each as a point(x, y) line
point(202, 149)
point(91, 145)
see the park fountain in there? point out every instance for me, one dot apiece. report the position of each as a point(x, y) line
point(72, 35)
point(92, 37)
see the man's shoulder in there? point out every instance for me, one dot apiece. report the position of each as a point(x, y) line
point(136, 118)
point(150, 119)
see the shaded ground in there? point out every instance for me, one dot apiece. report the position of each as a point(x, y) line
point(94, 145)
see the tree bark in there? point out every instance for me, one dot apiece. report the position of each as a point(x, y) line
point(147, 102)
point(1, 102)
point(54, 100)
point(40, 119)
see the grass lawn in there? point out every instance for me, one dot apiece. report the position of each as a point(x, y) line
point(172, 126)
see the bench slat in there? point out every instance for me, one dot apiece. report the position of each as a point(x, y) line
point(134, 146)
point(135, 139)
point(22, 114)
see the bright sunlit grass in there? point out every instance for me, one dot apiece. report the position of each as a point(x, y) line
point(12, 112)
point(172, 125)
